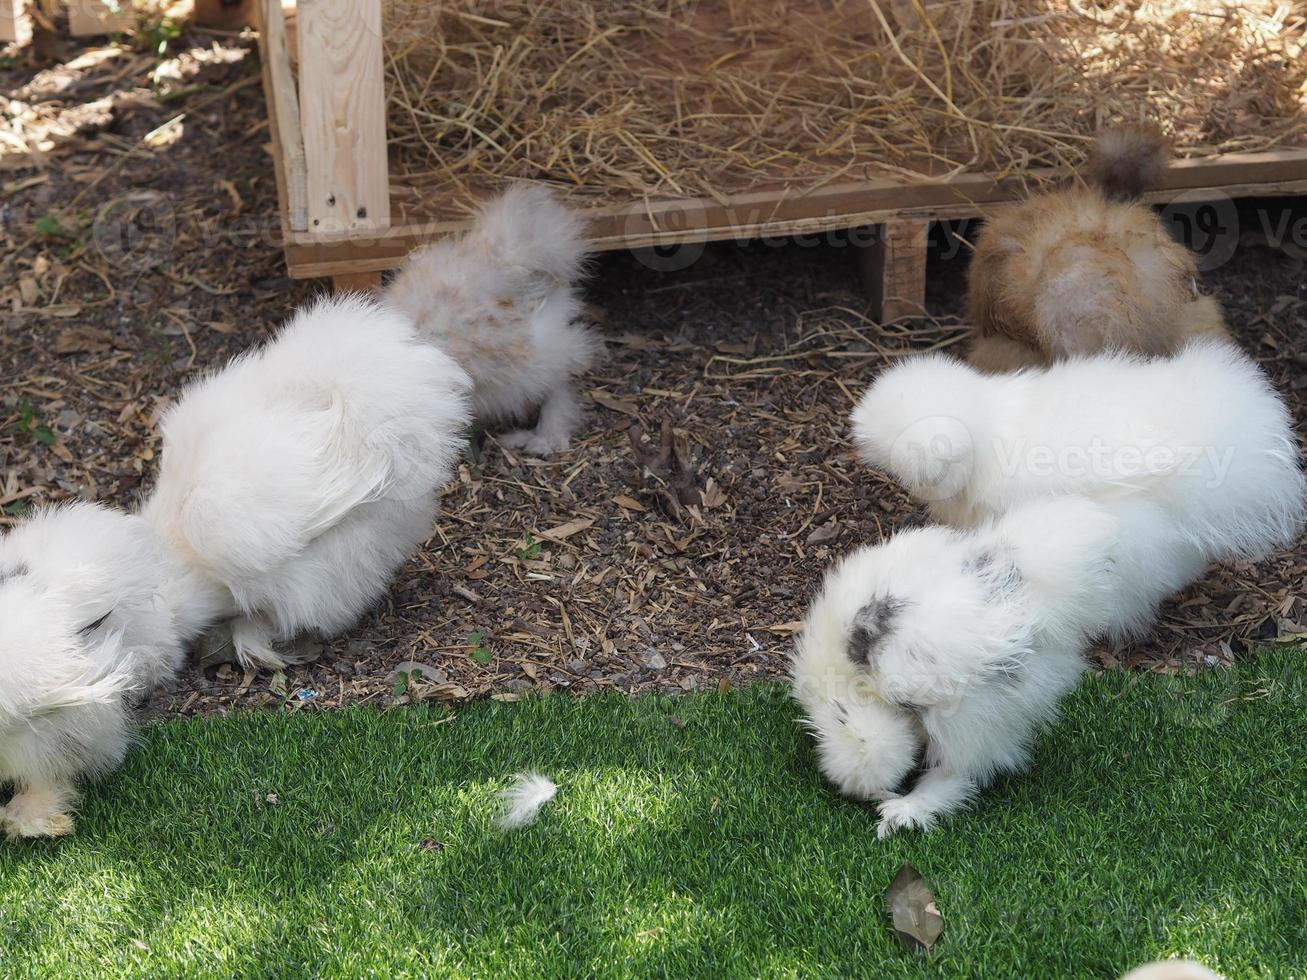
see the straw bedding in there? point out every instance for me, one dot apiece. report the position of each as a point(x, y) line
point(634, 98)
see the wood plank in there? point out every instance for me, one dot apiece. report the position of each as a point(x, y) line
point(87, 17)
point(15, 23)
point(283, 116)
point(343, 115)
point(753, 215)
point(967, 195)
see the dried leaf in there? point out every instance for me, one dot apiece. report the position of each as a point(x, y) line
point(83, 340)
point(614, 404)
point(912, 909)
point(564, 531)
point(629, 503)
point(827, 532)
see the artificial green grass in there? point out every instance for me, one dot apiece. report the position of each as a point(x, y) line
point(690, 837)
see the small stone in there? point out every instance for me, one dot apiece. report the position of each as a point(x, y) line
point(656, 661)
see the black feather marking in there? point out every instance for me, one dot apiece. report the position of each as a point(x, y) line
point(870, 626)
point(999, 572)
point(92, 627)
point(978, 562)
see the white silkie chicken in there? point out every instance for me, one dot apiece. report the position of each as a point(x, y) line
point(502, 301)
point(294, 483)
point(948, 649)
point(1195, 454)
point(93, 612)
point(302, 475)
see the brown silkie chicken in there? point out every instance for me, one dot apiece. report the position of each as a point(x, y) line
point(1087, 269)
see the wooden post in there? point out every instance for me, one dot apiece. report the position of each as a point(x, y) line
point(15, 24)
point(87, 17)
point(893, 270)
point(283, 116)
point(343, 114)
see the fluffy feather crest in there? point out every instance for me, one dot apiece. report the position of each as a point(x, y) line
point(1127, 160)
point(526, 227)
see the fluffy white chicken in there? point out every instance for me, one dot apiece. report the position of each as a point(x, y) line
point(301, 476)
point(949, 648)
point(1196, 453)
point(93, 611)
point(294, 482)
point(502, 301)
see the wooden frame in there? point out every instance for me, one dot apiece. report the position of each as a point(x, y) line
point(15, 22)
point(333, 185)
point(85, 17)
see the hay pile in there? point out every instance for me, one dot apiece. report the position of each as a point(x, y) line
point(708, 97)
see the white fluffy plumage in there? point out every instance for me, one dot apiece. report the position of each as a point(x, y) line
point(296, 480)
point(293, 483)
point(85, 625)
point(524, 798)
point(949, 648)
point(1195, 453)
point(502, 301)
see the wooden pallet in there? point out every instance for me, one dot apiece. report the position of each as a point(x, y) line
point(329, 142)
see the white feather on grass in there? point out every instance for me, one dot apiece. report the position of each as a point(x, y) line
point(524, 799)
